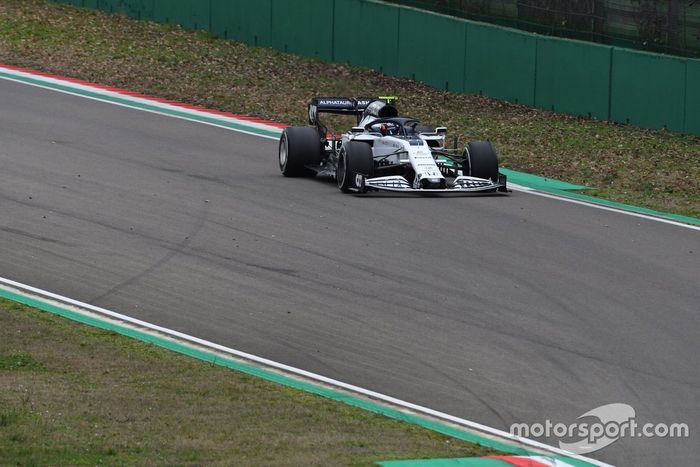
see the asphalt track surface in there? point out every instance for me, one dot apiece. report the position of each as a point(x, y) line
point(497, 309)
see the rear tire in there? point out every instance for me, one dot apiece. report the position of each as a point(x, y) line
point(481, 160)
point(299, 146)
point(354, 158)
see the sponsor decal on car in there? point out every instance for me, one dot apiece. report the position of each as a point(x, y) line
point(338, 102)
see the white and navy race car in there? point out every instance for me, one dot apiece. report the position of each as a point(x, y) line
point(386, 152)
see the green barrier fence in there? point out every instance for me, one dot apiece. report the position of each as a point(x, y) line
point(247, 22)
point(303, 27)
point(366, 34)
point(139, 9)
point(573, 77)
point(580, 78)
point(501, 63)
point(440, 64)
point(648, 89)
point(192, 14)
point(692, 97)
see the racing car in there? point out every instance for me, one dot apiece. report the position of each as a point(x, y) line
point(385, 152)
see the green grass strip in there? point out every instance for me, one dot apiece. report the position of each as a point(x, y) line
point(537, 182)
point(266, 374)
point(565, 190)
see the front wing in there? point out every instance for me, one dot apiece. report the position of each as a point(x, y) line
point(461, 184)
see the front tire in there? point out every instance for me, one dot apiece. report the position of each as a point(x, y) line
point(299, 146)
point(354, 158)
point(481, 160)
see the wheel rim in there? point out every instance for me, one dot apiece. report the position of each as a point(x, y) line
point(340, 171)
point(283, 151)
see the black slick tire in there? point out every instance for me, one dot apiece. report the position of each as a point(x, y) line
point(354, 158)
point(481, 160)
point(299, 147)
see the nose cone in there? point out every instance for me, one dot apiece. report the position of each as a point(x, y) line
point(433, 183)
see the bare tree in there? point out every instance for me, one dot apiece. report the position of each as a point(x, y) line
point(673, 24)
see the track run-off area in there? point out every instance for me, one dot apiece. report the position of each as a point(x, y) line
point(500, 309)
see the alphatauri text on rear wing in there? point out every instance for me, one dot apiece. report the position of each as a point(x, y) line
point(342, 106)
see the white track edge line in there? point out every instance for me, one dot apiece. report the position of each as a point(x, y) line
point(194, 112)
point(163, 113)
point(125, 95)
point(620, 210)
point(27, 289)
point(244, 355)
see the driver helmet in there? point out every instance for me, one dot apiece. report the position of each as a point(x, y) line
point(390, 129)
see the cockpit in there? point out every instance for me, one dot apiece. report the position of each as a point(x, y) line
point(381, 119)
point(397, 126)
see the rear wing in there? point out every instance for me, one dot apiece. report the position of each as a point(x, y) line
point(342, 106)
